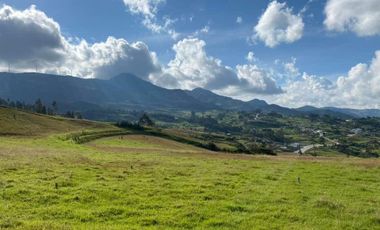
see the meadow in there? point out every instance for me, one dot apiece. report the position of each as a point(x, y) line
point(144, 182)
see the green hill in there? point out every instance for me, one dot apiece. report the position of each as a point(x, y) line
point(16, 122)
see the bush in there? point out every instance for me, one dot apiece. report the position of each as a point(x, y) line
point(129, 125)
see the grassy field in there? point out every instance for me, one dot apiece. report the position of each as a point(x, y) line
point(137, 181)
point(15, 122)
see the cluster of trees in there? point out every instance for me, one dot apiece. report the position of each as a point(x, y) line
point(142, 122)
point(72, 114)
point(39, 107)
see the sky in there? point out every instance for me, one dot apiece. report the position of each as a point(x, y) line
point(292, 53)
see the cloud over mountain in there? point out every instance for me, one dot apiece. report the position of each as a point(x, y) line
point(192, 67)
point(359, 88)
point(31, 39)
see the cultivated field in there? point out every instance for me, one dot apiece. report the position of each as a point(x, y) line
point(138, 181)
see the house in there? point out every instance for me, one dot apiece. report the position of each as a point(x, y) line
point(356, 131)
point(295, 145)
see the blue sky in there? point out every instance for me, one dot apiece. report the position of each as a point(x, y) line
point(317, 50)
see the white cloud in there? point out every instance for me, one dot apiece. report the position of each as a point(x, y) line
point(360, 88)
point(278, 25)
point(29, 38)
point(291, 69)
point(192, 68)
point(250, 57)
point(309, 90)
point(148, 9)
point(258, 79)
point(204, 30)
point(239, 20)
point(110, 58)
point(359, 16)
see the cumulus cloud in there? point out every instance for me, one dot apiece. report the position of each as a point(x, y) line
point(278, 25)
point(359, 88)
point(192, 68)
point(358, 16)
point(258, 79)
point(29, 38)
point(362, 83)
point(308, 90)
point(291, 69)
point(109, 58)
point(148, 10)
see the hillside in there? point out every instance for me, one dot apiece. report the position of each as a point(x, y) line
point(109, 99)
point(122, 91)
point(16, 122)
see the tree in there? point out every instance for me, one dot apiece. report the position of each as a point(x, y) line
point(38, 106)
point(69, 114)
point(78, 115)
point(145, 120)
point(43, 110)
point(55, 107)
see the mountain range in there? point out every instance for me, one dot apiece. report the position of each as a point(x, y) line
point(127, 91)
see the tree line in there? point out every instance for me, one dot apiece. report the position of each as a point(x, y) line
point(39, 107)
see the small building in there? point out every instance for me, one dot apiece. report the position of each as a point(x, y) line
point(356, 131)
point(295, 145)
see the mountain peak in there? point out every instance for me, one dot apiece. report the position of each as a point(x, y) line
point(125, 76)
point(257, 102)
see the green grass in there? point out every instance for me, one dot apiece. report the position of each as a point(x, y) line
point(326, 151)
point(124, 142)
point(16, 122)
point(49, 183)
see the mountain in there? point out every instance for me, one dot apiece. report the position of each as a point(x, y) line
point(357, 112)
point(324, 111)
point(340, 112)
point(105, 99)
point(228, 103)
point(218, 101)
point(122, 91)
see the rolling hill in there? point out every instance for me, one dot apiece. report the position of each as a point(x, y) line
point(15, 122)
